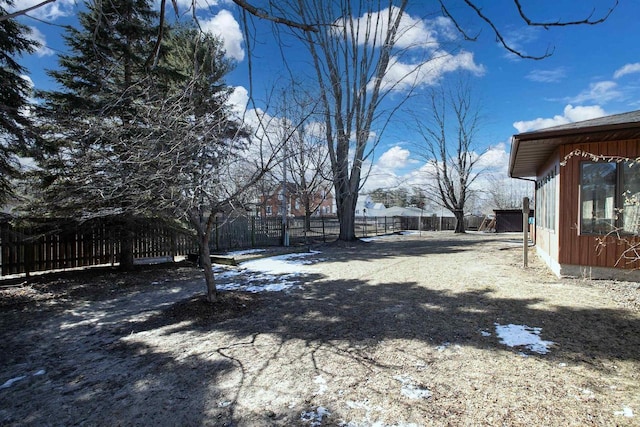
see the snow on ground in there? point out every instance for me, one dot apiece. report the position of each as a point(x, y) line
point(272, 274)
point(244, 252)
point(315, 417)
point(523, 335)
point(14, 380)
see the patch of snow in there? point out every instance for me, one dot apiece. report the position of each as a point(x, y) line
point(315, 417)
point(626, 412)
point(8, 383)
point(485, 333)
point(281, 264)
point(322, 385)
point(244, 252)
point(443, 346)
point(410, 390)
point(40, 372)
point(273, 274)
point(523, 335)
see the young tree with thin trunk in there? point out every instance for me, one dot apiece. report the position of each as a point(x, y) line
point(447, 146)
point(198, 159)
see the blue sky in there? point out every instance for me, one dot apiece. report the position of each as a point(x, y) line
point(593, 71)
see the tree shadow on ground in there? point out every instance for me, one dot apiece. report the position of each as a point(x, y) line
point(391, 246)
point(108, 368)
point(357, 312)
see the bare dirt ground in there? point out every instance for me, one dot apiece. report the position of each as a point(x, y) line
point(395, 332)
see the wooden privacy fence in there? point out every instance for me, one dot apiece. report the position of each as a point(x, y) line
point(46, 247)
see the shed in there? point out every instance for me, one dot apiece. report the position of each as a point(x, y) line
point(509, 220)
point(587, 221)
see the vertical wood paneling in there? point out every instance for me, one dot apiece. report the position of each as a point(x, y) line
point(576, 249)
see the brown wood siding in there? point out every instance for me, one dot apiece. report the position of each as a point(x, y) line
point(576, 249)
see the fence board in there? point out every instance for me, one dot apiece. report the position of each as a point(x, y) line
point(45, 248)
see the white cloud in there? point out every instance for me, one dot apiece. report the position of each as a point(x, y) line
point(547, 76)
point(28, 80)
point(402, 76)
point(496, 158)
point(413, 32)
point(415, 35)
point(627, 69)
point(518, 38)
point(238, 100)
point(382, 174)
point(394, 158)
point(598, 92)
point(37, 36)
point(225, 26)
point(570, 114)
point(49, 12)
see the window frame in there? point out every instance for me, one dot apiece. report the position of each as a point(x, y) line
point(617, 222)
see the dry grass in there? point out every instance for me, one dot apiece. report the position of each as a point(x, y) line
point(393, 332)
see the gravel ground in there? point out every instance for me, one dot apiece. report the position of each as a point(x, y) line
point(400, 331)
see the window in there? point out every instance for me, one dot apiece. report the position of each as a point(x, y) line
point(609, 195)
point(269, 212)
point(630, 197)
point(546, 201)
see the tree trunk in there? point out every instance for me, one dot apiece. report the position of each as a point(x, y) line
point(204, 231)
point(459, 214)
point(347, 218)
point(307, 221)
point(205, 262)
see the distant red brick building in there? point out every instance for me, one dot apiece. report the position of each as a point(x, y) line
point(321, 203)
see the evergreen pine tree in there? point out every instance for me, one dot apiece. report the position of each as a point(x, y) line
point(14, 93)
point(97, 116)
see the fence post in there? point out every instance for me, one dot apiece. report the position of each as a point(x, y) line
point(253, 231)
point(217, 234)
point(525, 229)
point(324, 234)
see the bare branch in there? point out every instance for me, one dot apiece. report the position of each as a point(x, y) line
point(500, 38)
point(25, 11)
point(262, 14)
point(546, 25)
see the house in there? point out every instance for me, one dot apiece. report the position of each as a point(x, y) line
point(584, 197)
point(271, 205)
point(367, 207)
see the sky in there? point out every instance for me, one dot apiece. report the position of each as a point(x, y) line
point(593, 70)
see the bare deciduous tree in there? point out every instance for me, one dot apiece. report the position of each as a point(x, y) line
point(307, 163)
point(351, 53)
point(448, 148)
point(507, 193)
